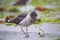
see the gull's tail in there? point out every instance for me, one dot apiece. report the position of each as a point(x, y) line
point(7, 19)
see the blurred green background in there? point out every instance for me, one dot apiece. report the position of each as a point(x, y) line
point(51, 15)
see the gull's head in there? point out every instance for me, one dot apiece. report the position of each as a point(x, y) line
point(33, 14)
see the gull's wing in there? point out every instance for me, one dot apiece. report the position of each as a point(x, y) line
point(18, 19)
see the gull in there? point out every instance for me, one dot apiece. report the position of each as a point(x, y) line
point(25, 19)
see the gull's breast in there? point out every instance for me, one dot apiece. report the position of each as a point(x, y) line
point(26, 21)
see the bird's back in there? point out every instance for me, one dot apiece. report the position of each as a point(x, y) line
point(18, 19)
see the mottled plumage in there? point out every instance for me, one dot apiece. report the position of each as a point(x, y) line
point(18, 19)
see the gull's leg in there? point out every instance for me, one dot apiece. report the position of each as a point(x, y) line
point(23, 31)
point(27, 30)
point(27, 35)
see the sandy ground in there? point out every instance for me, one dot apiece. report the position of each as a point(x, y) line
point(52, 32)
point(7, 35)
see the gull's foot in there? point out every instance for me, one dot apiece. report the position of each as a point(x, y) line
point(26, 36)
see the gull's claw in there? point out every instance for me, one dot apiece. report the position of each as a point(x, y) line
point(26, 36)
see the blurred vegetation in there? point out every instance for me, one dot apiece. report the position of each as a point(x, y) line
point(48, 21)
point(49, 14)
